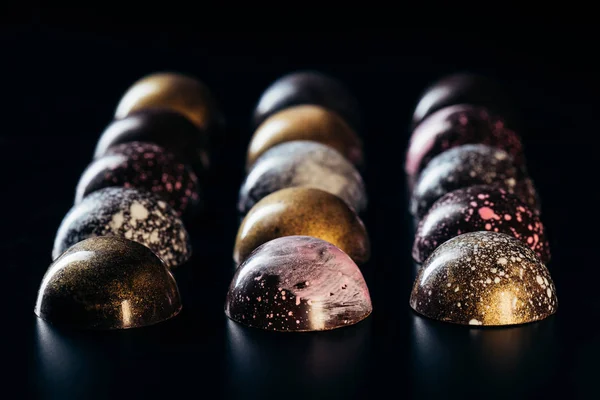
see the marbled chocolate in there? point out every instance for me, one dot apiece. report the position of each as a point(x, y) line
point(303, 164)
point(298, 283)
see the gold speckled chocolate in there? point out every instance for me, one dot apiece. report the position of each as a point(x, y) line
point(107, 282)
point(306, 212)
point(173, 91)
point(306, 122)
point(484, 278)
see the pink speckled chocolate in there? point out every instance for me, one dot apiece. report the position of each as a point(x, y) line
point(454, 126)
point(479, 208)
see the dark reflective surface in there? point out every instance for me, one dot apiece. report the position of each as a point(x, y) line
point(56, 112)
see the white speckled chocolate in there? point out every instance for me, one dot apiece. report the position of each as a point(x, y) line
point(298, 283)
point(479, 208)
point(469, 165)
point(303, 163)
point(130, 213)
point(484, 278)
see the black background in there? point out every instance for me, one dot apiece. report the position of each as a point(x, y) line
point(62, 79)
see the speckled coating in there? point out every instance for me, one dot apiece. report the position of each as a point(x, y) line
point(303, 164)
point(479, 208)
point(163, 127)
point(107, 283)
point(484, 278)
point(129, 213)
point(144, 166)
point(463, 88)
point(306, 122)
point(454, 126)
point(298, 283)
point(308, 87)
point(469, 165)
point(303, 211)
point(175, 91)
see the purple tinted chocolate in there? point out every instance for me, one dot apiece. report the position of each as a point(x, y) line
point(143, 166)
point(469, 165)
point(298, 283)
point(463, 88)
point(479, 208)
point(454, 126)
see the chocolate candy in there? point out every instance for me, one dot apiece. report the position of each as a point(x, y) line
point(308, 87)
point(305, 212)
point(165, 128)
point(145, 166)
point(468, 165)
point(303, 164)
point(107, 283)
point(174, 91)
point(298, 283)
point(454, 126)
point(484, 278)
point(306, 122)
point(463, 88)
point(136, 215)
point(479, 208)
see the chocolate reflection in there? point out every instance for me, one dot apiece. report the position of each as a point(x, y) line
point(453, 359)
point(312, 365)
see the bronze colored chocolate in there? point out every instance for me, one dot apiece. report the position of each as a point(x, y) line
point(144, 166)
point(454, 126)
point(479, 208)
point(298, 283)
point(107, 282)
point(306, 212)
point(178, 92)
point(308, 87)
point(484, 278)
point(306, 122)
point(163, 127)
point(469, 165)
point(463, 88)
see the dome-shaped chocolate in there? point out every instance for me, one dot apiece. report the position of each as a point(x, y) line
point(107, 283)
point(305, 212)
point(469, 165)
point(163, 127)
point(303, 164)
point(306, 122)
point(308, 87)
point(484, 278)
point(479, 208)
point(136, 215)
point(298, 283)
point(454, 126)
point(175, 91)
point(144, 166)
point(463, 88)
